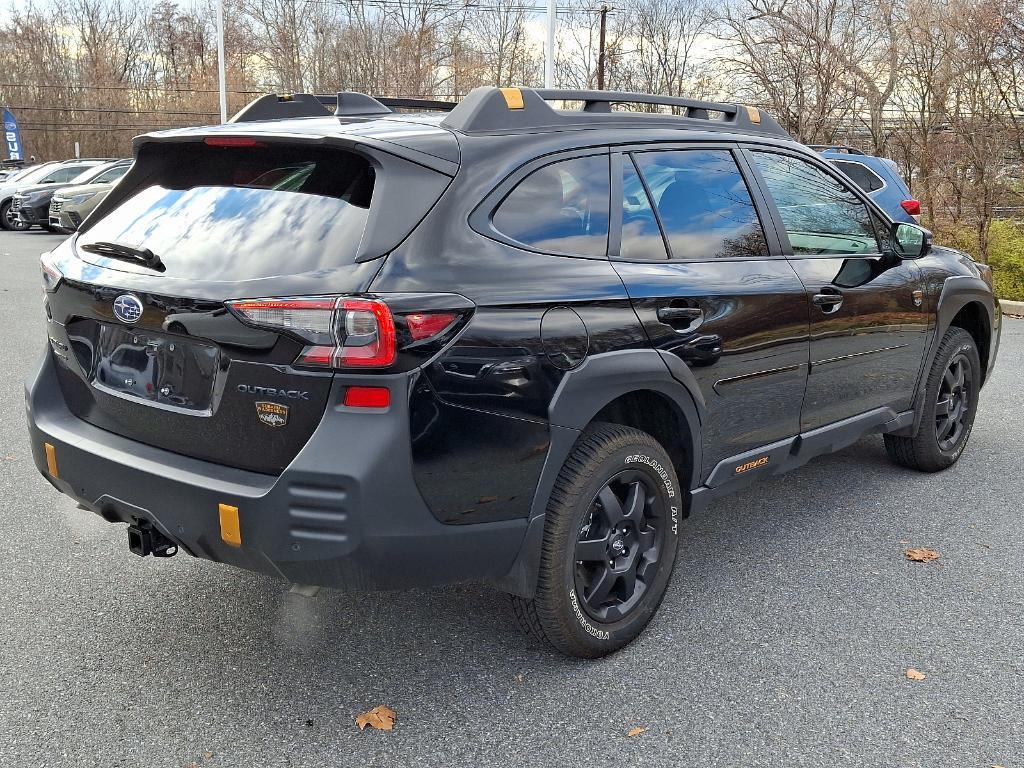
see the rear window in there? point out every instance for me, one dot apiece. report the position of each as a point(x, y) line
point(245, 213)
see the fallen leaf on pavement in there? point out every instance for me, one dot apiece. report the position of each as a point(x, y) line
point(208, 755)
point(382, 718)
point(921, 555)
point(913, 674)
point(635, 732)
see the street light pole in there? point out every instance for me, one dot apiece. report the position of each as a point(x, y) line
point(549, 52)
point(600, 49)
point(220, 62)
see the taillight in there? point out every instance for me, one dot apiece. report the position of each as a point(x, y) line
point(340, 332)
point(51, 275)
point(425, 326)
point(912, 207)
point(357, 332)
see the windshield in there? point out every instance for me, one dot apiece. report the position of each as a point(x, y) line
point(236, 214)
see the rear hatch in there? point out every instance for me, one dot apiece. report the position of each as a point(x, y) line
point(148, 345)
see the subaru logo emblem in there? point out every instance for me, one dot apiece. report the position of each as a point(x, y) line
point(127, 308)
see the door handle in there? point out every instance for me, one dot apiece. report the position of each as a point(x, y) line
point(670, 315)
point(828, 302)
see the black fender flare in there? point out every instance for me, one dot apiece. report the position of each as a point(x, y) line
point(957, 292)
point(580, 396)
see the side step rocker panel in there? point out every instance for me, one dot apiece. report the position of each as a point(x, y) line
point(738, 471)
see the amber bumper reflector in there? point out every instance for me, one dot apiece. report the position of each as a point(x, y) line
point(51, 459)
point(230, 531)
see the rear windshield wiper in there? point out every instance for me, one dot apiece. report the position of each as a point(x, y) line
point(125, 252)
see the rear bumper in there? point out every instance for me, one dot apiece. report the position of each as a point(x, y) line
point(345, 513)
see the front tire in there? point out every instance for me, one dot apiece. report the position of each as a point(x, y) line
point(610, 540)
point(950, 405)
point(5, 216)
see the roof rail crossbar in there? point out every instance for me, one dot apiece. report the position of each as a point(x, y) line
point(431, 105)
point(489, 110)
point(275, 106)
point(835, 148)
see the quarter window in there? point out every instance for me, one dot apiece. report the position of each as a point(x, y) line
point(821, 214)
point(704, 204)
point(560, 208)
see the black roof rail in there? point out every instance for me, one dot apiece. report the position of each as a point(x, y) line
point(836, 148)
point(275, 106)
point(489, 109)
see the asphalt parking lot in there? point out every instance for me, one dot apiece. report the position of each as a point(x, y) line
point(783, 641)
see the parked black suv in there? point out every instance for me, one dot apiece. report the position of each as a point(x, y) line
point(494, 341)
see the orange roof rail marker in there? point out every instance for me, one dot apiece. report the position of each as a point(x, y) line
point(513, 98)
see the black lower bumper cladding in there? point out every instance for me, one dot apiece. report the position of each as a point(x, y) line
point(346, 513)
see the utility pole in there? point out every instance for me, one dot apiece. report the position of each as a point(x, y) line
point(549, 52)
point(600, 49)
point(220, 62)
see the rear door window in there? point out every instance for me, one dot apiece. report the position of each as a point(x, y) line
point(560, 208)
point(245, 213)
point(703, 203)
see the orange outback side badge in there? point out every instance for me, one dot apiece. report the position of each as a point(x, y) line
point(230, 530)
point(51, 459)
point(758, 462)
point(513, 98)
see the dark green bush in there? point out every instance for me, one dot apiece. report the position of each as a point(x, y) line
point(1005, 254)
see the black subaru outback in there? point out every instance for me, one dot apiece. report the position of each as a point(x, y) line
point(413, 343)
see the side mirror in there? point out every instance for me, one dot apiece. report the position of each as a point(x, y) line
point(910, 241)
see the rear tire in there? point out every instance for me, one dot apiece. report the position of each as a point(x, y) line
point(950, 404)
point(610, 540)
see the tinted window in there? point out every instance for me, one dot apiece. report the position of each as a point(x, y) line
point(66, 173)
point(111, 175)
point(641, 235)
point(239, 214)
point(704, 204)
point(865, 178)
point(820, 214)
point(560, 208)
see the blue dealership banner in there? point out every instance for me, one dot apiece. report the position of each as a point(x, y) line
point(12, 137)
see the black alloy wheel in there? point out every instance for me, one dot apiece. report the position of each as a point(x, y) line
point(617, 551)
point(952, 404)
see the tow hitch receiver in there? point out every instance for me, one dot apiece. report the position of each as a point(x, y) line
point(144, 539)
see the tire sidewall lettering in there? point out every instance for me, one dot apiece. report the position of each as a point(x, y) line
point(590, 629)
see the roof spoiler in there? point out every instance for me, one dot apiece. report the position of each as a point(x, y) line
point(490, 109)
point(275, 106)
